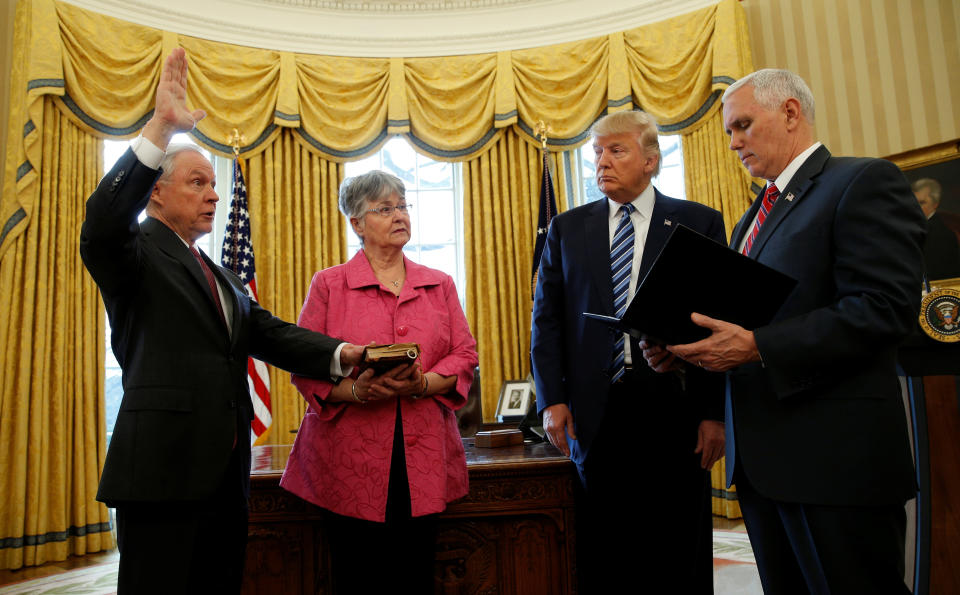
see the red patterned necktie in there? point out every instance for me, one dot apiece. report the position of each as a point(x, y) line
point(769, 197)
point(210, 281)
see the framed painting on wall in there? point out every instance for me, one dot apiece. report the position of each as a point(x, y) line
point(934, 175)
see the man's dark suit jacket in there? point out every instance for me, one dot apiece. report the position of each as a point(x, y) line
point(184, 376)
point(572, 355)
point(821, 421)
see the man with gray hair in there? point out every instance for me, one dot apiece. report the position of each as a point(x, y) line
point(603, 409)
point(178, 466)
point(816, 433)
point(941, 250)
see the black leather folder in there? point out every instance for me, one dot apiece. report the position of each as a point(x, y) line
point(693, 273)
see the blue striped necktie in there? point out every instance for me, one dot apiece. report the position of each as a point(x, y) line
point(621, 261)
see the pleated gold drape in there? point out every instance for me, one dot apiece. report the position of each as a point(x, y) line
point(296, 216)
point(723, 501)
point(719, 179)
point(452, 108)
point(501, 189)
point(51, 368)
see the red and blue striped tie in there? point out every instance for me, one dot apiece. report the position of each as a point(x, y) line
point(769, 197)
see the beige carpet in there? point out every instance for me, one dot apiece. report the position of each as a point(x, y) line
point(100, 579)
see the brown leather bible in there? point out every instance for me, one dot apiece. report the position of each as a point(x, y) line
point(385, 357)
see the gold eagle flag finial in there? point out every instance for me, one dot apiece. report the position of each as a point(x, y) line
point(235, 139)
point(541, 131)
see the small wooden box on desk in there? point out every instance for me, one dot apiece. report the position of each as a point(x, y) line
point(513, 532)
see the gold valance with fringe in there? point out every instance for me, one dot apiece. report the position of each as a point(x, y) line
point(104, 72)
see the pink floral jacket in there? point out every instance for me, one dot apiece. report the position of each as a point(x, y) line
point(341, 457)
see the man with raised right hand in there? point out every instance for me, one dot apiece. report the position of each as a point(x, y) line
point(178, 466)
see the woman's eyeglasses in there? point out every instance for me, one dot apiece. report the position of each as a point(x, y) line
point(388, 210)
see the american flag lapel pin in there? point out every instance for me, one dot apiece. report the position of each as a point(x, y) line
point(789, 197)
point(667, 222)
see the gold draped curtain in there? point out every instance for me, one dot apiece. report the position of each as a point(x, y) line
point(52, 369)
point(501, 190)
point(308, 233)
point(302, 116)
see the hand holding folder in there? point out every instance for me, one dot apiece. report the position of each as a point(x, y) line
point(691, 274)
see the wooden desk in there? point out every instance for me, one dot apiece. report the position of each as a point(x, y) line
point(513, 533)
point(933, 525)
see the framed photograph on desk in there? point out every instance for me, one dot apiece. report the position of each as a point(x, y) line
point(514, 401)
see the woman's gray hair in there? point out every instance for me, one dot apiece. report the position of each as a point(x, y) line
point(172, 150)
point(372, 186)
point(771, 87)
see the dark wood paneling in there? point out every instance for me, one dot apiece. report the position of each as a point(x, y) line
point(943, 432)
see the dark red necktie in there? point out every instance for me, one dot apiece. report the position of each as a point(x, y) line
point(211, 282)
point(216, 300)
point(769, 197)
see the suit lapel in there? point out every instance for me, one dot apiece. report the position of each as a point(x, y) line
point(736, 238)
point(173, 246)
point(663, 220)
point(229, 291)
point(790, 196)
point(597, 239)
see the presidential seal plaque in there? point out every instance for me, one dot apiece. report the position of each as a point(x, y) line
point(939, 313)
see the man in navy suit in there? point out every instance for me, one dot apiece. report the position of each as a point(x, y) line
point(178, 466)
point(816, 433)
point(622, 424)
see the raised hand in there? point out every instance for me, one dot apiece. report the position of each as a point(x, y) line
point(171, 115)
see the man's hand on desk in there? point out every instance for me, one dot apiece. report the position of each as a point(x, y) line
point(727, 347)
point(558, 422)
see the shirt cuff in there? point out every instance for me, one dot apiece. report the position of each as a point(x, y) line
point(148, 153)
point(335, 370)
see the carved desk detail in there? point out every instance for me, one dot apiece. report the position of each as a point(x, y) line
point(513, 532)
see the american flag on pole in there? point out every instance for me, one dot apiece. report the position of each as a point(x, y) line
point(548, 208)
point(238, 257)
